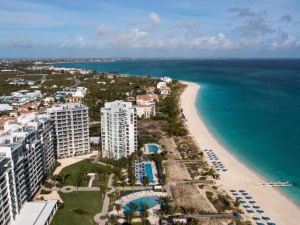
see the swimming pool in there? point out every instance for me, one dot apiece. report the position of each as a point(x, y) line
point(146, 169)
point(153, 148)
point(150, 201)
point(148, 172)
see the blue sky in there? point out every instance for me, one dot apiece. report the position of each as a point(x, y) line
point(169, 28)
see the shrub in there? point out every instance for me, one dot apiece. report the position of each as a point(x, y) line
point(80, 211)
point(209, 194)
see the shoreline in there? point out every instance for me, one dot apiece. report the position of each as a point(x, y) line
point(274, 202)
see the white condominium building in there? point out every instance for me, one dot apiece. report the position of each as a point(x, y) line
point(118, 129)
point(26, 156)
point(71, 122)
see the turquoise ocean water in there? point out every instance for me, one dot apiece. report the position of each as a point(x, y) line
point(252, 106)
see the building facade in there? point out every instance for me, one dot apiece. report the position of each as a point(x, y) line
point(118, 129)
point(26, 156)
point(71, 123)
point(145, 111)
point(146, 105)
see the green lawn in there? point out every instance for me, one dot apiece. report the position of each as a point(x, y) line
point(71, 171)
point(88, 201)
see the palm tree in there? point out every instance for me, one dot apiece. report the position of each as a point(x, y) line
point(133, 208)
point(145, 180)
point(144, 213)
point(118, 208)
point(129, 216)
point(113, 220)
point(165, 205)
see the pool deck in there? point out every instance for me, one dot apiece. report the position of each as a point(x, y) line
point(140, 173)
point(146, 149)
point(131, 197)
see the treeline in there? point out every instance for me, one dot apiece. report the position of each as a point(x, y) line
point(170, 107)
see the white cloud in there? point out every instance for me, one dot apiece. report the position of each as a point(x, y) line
point(251, 42)
point(138, 38)
point(219, 41)
point(285, 41)
point(154, 18)
point(101, 30)
point(75, 42)
point(132, 38)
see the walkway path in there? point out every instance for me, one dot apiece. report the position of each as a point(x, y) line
point(91, 181)
point(134, 188)
point(106, 201)
point(68, 189)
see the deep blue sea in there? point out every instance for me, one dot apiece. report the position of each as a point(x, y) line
point(252, 106)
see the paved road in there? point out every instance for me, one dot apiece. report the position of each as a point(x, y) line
point(106, 201)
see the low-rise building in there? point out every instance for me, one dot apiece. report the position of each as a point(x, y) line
point(5, 108)
point(37, 213)
point(163, 88)
point(166, 79)
point(150, 90)
point(148, 99)
point(164, 91)
point(161, 84)
point(145, 111)
point(146, 105)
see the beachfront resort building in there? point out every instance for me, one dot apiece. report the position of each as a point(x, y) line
point(163, 88)
point(26, 156)
point(71, 123)
point(146, 105)
point(118, 129)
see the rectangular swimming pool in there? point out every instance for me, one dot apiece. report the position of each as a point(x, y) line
point(148, 172)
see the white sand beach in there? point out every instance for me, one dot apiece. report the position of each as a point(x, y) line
point(276, 205)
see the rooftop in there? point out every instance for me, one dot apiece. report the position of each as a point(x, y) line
point(35, 213)
point(66, 106)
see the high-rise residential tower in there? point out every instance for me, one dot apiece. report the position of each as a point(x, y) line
point(118, 129)
point(26, 156)
point(71, 122)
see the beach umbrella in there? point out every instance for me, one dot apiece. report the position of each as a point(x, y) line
point(250, 211)
point(266, 218)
